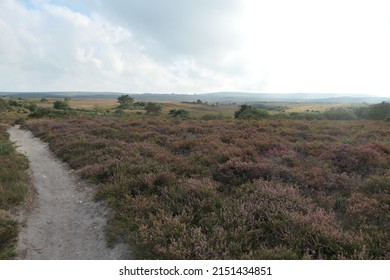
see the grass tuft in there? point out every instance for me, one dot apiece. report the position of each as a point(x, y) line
point(13, 190)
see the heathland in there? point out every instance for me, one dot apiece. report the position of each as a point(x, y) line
point(189, 181)
point(13, 182)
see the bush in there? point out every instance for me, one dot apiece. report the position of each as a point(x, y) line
point(349, 158)
point(340, 114)
point(376, 185)
point(3, 104)
point(125, 101)
point(13, 189)
point(50, 113)
point(62, 105)
point(362, 112)
point(235, 172)
point(246, 112)
point(33, 107)
point(8, 236)
point(379, 111)
point(153, 108)
point(181, 113)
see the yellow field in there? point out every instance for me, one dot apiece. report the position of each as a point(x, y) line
point(320, 107)
point(86, 103)
point(201, 110)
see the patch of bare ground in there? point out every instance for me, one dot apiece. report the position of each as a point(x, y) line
point(62, 220)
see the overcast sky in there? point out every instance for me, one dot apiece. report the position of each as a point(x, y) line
point(196, 46)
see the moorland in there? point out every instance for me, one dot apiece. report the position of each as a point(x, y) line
point(193, 180)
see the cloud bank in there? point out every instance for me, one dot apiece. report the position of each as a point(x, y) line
point(188, 46)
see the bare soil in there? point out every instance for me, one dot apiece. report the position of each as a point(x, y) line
point(63, 222)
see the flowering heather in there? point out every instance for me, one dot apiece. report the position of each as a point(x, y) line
point(224, 189)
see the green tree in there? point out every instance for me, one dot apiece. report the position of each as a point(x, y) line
point(153, 108)
point(181, 113)
point(247, 112)
point(125, 101)
point(241, 110)
point(59, 104)
point(379, 111)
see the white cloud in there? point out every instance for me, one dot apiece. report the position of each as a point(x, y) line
point(321, 46)
point(55, 48)
point(196, 45)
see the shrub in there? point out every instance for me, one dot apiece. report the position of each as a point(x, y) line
point(246, 112)
point(361, 112)
point(153, 108)
point(181, 113)
point(349, 158)
point(8, 235)
point(3, 104)
point(340, 114)
point(241, 110)
point(379, 111)
point(235, 172)
point(125, 101)
point(376, 185)
point(58, 104)
point(13, 189)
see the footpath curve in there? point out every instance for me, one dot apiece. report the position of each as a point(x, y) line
point(64, 222)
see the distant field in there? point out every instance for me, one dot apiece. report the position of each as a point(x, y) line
point(199, 110)
point(320, 107)
point(196, 110)
point(83, 103)
point(93, 103)
point(205, 110)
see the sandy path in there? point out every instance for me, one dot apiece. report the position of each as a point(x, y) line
point(64, 222)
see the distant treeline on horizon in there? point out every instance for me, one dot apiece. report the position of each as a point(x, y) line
point(222, 97)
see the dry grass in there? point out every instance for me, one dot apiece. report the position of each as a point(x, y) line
point(197, 111)
point(301, 107)
point(84, 103)
point(13, 190)
point(102, 104)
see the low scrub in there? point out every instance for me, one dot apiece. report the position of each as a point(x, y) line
point(13, 189)
point(235, 189)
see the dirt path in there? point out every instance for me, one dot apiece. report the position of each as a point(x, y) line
point(64, 222)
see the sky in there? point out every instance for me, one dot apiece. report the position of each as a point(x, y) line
point(196, 46)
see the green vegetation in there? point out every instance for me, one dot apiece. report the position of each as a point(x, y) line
point(152, 108)
point(220, 181)
point(340, 114)
point(61, 105)
point(13, 177)
point(13, 172)
point(235, 189)
point(125, 102)
point(15, 109)
point(181, 113)
point(379, 111)
point(247, 112)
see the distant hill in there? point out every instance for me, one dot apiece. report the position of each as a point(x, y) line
point(214, 97)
